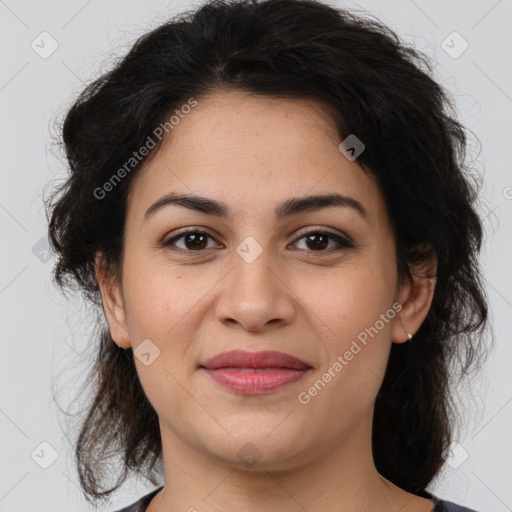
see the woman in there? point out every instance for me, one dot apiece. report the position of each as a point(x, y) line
point(268, 200)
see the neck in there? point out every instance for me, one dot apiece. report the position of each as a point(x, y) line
point(343, 479)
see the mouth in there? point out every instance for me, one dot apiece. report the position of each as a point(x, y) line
point(254, 373)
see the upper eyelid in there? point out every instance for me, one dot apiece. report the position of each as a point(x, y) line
point(319, 229)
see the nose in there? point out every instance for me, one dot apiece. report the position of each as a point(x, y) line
point(255, 297)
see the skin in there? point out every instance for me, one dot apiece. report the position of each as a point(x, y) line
point(253, 153)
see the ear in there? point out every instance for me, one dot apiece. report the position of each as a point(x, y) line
point(416, 297)
point(113, 304)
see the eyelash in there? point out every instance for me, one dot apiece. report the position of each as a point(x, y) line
point(342, 242)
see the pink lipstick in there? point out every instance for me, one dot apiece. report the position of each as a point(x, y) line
point(254, 373)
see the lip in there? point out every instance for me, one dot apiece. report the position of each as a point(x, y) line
point(254, 373)
point(255, 360)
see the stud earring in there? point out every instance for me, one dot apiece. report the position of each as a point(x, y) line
point(409, 335)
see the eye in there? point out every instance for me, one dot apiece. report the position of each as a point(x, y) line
point(317, 240)
point(193, 239)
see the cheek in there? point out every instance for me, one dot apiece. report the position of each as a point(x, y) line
point(354, 313)
point(345, 301)
point(157, 297)
point(159, 303)
point(354, 316)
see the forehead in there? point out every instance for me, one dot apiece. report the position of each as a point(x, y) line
point(253, 152)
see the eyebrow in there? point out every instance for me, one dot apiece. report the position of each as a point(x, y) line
point(289, 208)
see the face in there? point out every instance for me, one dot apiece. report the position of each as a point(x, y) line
point(318, 284)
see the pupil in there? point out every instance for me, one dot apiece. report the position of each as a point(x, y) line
point(197, 241)
point(321, 245)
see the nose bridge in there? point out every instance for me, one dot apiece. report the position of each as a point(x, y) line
point(253, 295)
point(252, 275)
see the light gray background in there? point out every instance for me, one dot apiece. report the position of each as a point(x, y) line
point(44, 337)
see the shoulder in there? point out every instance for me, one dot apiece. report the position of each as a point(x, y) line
point(142, 504)
point(448, 506)
point(443, 505)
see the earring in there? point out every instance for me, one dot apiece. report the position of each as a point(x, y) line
point(409, 335)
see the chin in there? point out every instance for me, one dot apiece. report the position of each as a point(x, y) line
point(258, 448)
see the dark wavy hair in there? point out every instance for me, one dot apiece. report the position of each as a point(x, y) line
point(375, 86)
